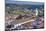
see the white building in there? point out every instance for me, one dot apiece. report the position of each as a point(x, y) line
point(36, 11)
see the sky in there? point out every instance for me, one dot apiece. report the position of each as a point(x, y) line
point(22, 2)
point(28, 0)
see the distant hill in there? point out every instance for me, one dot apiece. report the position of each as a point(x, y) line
point(25, 6)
